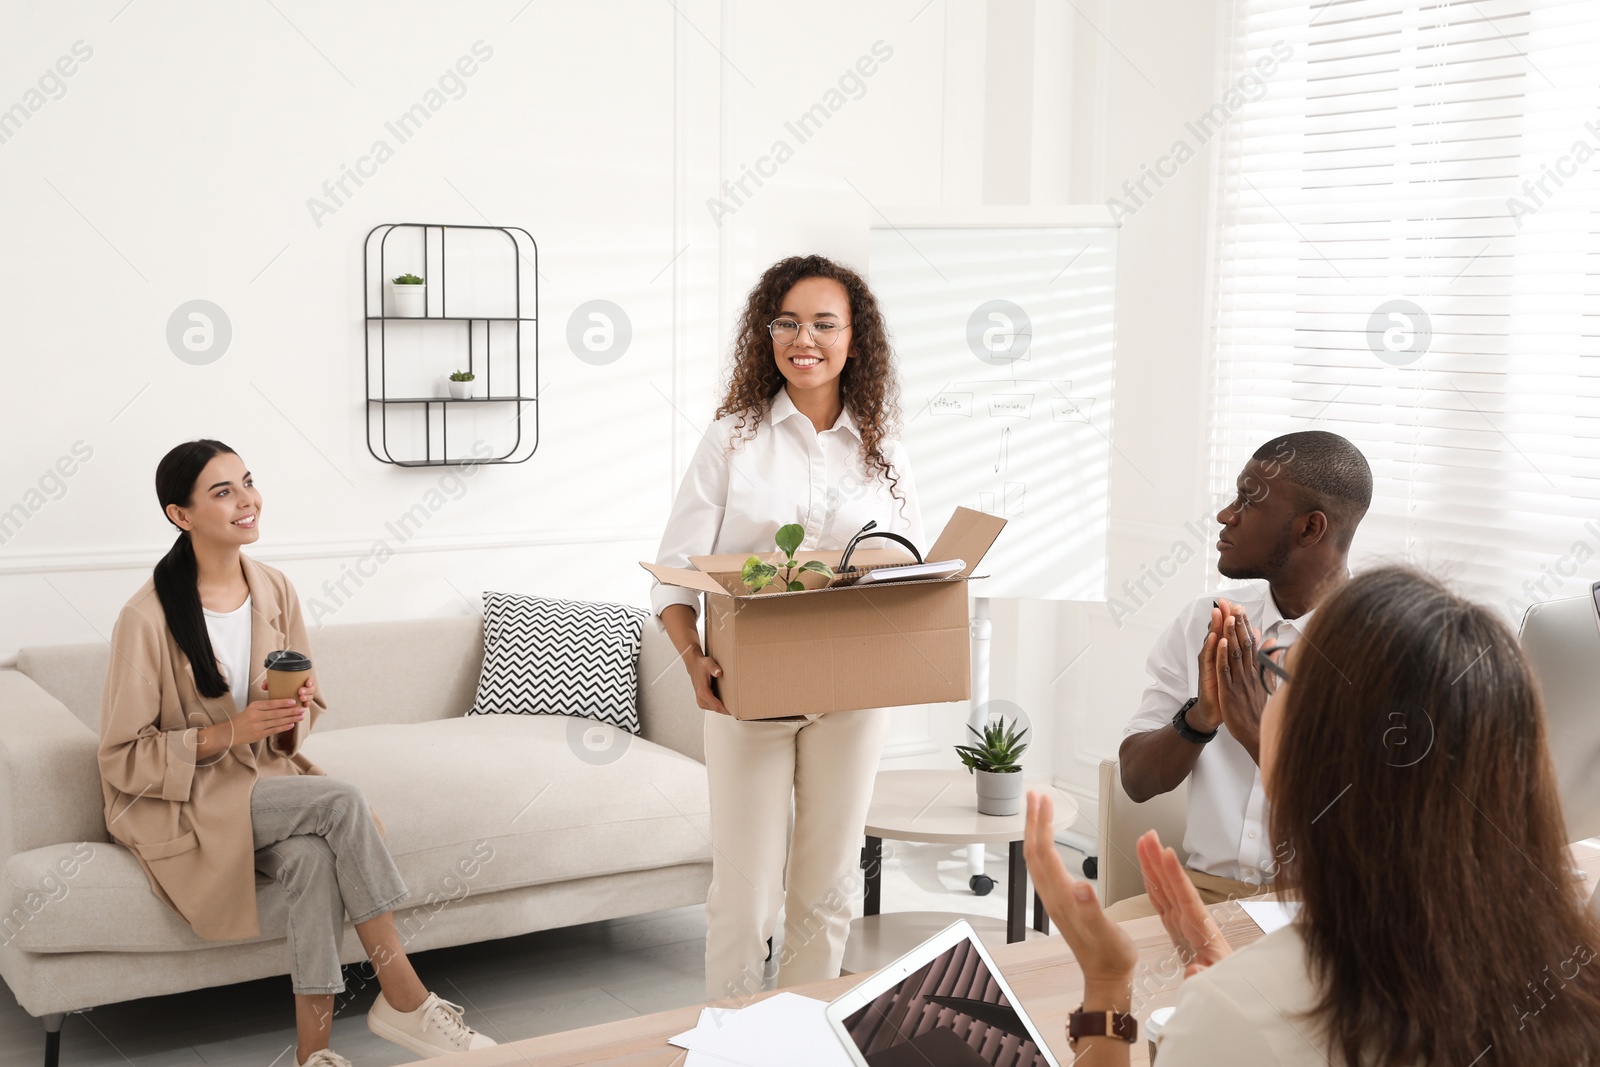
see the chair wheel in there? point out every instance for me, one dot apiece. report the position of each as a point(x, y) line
point(1091, 867)
point(980, 884)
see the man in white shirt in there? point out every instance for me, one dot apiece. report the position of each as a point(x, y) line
point(1287, 532)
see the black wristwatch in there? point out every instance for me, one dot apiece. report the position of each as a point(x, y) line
point(1187, 732)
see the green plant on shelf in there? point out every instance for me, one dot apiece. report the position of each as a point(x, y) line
point(463, 376)
point(998, 749)
point(408, 279)
point(757, 575)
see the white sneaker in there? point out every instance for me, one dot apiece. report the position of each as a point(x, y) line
point(326, 1058)
point(434, 1029)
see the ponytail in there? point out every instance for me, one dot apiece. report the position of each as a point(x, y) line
point(177, 585)
point(177, 574)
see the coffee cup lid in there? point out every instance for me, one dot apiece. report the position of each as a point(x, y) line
point(285, 660)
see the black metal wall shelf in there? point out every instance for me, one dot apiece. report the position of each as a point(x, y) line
point(521, 400)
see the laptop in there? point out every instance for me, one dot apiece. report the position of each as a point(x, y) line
point(943, 1004)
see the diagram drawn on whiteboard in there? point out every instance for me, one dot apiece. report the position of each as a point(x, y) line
point(1004, 342)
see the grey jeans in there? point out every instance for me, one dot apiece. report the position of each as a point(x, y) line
point(315, 836)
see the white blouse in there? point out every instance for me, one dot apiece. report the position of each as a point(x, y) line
point(1249, 1011)
point(734, 501)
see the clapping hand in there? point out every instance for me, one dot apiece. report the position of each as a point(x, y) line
point(1194, 933)
point(1102, 947)
point(1240, 694)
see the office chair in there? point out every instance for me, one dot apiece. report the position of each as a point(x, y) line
point(1122, 822)
point(1562, 641)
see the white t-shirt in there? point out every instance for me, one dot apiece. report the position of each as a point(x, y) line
point(1227, 830)
point(230, 641)
point(787, 473)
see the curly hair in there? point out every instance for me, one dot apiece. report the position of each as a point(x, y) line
point(867, 384)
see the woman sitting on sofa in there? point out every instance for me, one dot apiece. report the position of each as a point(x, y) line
point(203, 776)
point(1414, 805)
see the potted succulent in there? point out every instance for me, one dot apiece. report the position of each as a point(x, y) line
point(994, 761)
point(462, 383)
point(757, 575)
point(409, 295)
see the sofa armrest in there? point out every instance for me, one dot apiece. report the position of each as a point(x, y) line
point(669, 715)
point(49, 771)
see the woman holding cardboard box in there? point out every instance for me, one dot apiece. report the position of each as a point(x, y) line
point(204, 778)
point(802, 436)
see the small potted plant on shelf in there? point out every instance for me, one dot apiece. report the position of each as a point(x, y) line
point(409, 294)
point(757, 575)
point(462, 383)
point(994, 761)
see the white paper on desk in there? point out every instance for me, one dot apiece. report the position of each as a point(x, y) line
point(683, 1040)
point(1270, 915)
point(786, 1030)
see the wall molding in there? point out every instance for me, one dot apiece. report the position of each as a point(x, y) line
point(142, 558)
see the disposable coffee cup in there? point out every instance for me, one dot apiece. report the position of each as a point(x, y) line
point(286, 672)
point(1153, 1027)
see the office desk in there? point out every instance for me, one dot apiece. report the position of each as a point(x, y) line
point(1041, 973)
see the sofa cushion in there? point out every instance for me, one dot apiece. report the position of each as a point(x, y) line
point(560, 657)
point(470, 805)
point(538, 790)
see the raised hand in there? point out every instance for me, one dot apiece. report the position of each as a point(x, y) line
point(1194, 933)
point(1103, 949)
point(1240, 694)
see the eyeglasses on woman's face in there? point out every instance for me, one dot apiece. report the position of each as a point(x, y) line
point(824, 333)
point(1269, 662)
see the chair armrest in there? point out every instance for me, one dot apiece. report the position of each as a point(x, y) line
point(49, 771)
point(669, 715)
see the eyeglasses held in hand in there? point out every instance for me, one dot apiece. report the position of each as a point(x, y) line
point(1269, 662)
point(823, 334)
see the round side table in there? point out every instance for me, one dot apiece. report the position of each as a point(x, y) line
point(940, 807)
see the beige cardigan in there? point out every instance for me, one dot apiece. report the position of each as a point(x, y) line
point(189, 824)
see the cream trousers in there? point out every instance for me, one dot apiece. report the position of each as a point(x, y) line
point(821, 768)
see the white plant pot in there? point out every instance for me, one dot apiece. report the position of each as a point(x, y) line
point(999, 794)
point(462, 390)
point(409, 301)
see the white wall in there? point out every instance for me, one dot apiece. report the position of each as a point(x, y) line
point(179, 160)
point(1145, 67)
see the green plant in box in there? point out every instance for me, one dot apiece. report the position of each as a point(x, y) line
point(998, 749)
point(463, 376)
point(408, 279)
point(757, 575)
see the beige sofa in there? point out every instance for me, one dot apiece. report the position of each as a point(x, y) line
point(501, 825)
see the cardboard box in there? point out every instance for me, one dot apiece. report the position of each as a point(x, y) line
point(840, 647)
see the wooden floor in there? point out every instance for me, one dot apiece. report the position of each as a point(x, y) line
point(512, 989)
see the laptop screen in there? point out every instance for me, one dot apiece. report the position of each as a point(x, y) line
point(949, 1013)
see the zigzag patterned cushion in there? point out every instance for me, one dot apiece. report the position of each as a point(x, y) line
point(560, 657)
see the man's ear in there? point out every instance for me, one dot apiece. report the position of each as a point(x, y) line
point(1314, 527)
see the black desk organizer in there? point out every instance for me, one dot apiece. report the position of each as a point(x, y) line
point(521, 402)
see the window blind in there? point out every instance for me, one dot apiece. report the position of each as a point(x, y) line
point(1409, 256)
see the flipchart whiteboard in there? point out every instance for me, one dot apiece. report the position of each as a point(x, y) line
point(1003, 335)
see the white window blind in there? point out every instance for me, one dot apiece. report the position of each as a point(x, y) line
point(1443, 155)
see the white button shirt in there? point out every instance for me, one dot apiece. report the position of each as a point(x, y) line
point(734, 501)
point(1227, 831)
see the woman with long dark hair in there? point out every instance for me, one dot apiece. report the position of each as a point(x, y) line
point(804, 435)
point(1403, 752)
point(205, 782)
